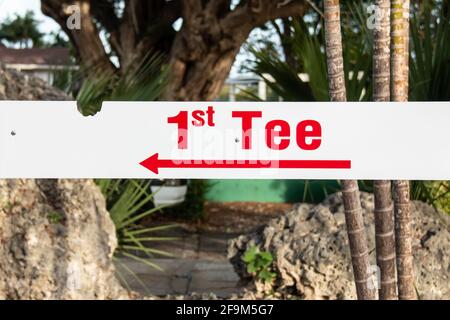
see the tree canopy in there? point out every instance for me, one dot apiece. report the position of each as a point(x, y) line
point(22, 31)
point(206, 37)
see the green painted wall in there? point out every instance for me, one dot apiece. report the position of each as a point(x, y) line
point(270, 190)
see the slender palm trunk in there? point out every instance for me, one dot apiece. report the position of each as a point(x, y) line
point(400, 48)
point(384, 238)
point(350, 192)
point(356, 231)
point(403, 235)
point(403, 228)
point(381, 55)
point(333, 42)
point(384, 215)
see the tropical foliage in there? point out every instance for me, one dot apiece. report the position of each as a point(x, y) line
point(430, 55)
point(129, 202)
point(143, 83)
point(22, 31)
point(308, 82)
point(429, 70)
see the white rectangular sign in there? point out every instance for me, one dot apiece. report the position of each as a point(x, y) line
point(253, 140)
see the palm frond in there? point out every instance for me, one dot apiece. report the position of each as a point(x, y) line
point(144, 82)
point(430, 56)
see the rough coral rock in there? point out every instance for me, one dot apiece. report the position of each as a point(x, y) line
point(57, 239)
point(312, 258)
point(18, 86)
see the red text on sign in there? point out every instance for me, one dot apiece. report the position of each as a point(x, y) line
point(200, 118)
point(278, 132)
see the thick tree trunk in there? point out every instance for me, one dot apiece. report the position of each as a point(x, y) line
point(199, 69)
point(384, 215)
point(203, 51)
point(400, 72)
point(205, 48)
point(350, 192)
point(201, 54)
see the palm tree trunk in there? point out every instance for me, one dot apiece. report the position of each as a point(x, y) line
point(350, 192)
point(400, 71)
point(381, 56)
point(403, 235)
point(384, 239)
point(333, 42)
point(365, 289)
point(400, 48)
point(384, 216)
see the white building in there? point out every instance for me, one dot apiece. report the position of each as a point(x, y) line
point(42, 63)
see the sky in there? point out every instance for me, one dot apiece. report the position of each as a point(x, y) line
point(11, 7)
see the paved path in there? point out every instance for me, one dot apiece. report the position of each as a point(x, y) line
point(182, 276)
point(199, 265)
point(199, 262)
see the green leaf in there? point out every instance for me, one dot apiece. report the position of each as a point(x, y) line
point(250, 254)
point(266, 276)
point(251, 268)
point(266, 256)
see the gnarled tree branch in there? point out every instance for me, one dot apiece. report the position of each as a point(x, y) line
point(87, 41)
point(201, 53)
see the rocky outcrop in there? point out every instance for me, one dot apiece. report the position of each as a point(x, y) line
point(17, 86)
point(312, 258)
point(57, 239)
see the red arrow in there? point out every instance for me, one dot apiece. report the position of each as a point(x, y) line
point(154, 163)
